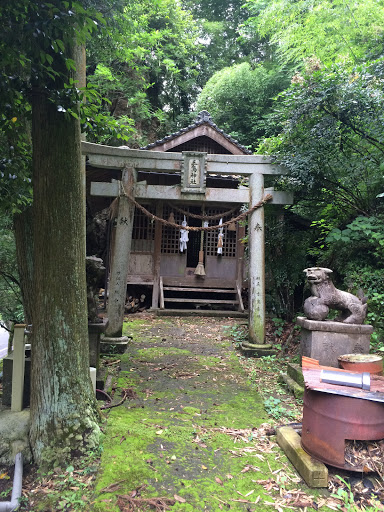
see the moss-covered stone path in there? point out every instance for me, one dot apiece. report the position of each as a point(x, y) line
point(193, 434)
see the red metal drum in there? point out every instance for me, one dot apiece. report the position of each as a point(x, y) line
point(330, 419)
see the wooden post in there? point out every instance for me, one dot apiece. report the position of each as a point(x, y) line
point(18, 368)
point(256, 266)
point(157, 257)
point(121, 255)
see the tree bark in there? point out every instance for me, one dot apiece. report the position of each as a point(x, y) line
point(64, 417)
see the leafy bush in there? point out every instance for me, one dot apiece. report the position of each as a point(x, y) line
point(286, 256)
point(239, 97)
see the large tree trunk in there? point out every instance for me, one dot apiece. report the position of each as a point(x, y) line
point(63, 408)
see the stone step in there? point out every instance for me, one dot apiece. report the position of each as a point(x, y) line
point(201, 301)
point(295, 373)
point(292, 385)
point(201, 312)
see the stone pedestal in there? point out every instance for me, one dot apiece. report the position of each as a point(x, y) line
point(114, 345)
point(94, 333)
point(257, 350)
point(327, 340)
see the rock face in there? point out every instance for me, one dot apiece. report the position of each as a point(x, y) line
point(326, 296)
point(14, 428)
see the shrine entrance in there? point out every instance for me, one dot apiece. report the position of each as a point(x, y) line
point(194, 242)
point(160, 185)
point(202, 247)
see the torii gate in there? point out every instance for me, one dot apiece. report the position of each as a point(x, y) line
point(192, 188)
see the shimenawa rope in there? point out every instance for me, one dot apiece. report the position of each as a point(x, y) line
point(153, 217)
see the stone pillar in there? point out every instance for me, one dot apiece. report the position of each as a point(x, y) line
point(120, 256)
point(256, 270)
point(94, 333)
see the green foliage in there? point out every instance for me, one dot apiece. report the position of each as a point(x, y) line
point(332, 138)
point(355, 250)
point(331, 30)
point(284, 275)
point(238, 333)
point(11, 308)
point(15, 162)
point(146, 65)
point(362, 233)
point(279, 326)
point(345, 494)
point(219, 24)
point(370, 279)
point(70, 487)
point(239, 97)
point(275, 409)
point(35, 55)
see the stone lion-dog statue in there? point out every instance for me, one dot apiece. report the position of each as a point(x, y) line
point(326, 296)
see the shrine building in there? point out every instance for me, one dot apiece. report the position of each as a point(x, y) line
point(167, 192)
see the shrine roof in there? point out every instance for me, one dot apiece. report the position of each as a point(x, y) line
point(202, 126)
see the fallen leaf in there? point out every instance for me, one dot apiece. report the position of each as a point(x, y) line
point(179, 498)
point(203, 467)
point(159, 432)
point(218, 480)
point(229, 476)
point(250, 492)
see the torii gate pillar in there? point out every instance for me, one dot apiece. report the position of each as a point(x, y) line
point(254, 166)
point(256, 288)
point(120, 255)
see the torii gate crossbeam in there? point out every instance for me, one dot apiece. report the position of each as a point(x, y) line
point(253, 166)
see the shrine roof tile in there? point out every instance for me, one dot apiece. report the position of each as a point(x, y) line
point(203, 117)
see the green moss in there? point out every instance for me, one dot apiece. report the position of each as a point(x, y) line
point(136, 436)
point(171, 439)
point(133, 326)
point(191, 410)
point(209, 361)
point(147, 354)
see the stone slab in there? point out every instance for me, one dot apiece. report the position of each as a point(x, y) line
point(326, 341)
point(312, 471)
point(196, 312)
point(295, 372)
point(331, 326)
point(292, 385)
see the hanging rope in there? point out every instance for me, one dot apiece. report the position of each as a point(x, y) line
point(203, 217)
point(153, 217)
